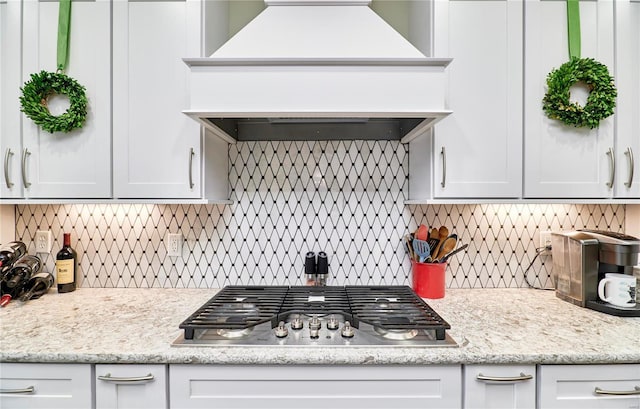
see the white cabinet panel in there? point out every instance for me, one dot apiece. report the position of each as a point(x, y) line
point(75, 164)
point(499, 386)
point(371, 387)
point(589, 386)
point(46, 386)
point(10, 115)
point(562, 161)
point(131, 386)
point(628, 104)
point(482, 139)
point(152, 139)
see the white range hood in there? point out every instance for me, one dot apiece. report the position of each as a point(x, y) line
point(317, 69)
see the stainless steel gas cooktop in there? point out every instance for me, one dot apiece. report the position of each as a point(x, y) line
point(315, 316)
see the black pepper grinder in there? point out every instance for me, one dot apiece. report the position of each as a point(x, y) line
point(322, 271)
point(310, 267)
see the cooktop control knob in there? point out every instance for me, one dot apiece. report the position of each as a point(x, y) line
point(314, 324)
point(333, 324)
point(281, 331)
point(347, 330)
point(296, 323)
point(314, 333)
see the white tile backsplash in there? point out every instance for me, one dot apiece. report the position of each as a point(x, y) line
point(343, 197)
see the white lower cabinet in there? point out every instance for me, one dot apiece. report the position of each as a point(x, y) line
point(499, 386)
point(589, 386)
point(131, 386)
point(45, 386)
point(259, 387)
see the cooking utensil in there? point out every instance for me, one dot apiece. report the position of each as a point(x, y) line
point(443, 233)
point(434, 238)
point(422, 233)
point(447, 256)
point(447, 246)
point(422, 249)
point(408, 242)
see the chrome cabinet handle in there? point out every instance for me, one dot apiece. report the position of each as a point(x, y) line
point(635, 391)
point(504, 379)
point(612, 162)
point(28, 389)
point(191, 154)
point(6, 168)
point(444, 167)
point(629, 152)
point(24, 167)
point(128, 380)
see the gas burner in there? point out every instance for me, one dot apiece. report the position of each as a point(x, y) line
point(396, 334)
point(233, 333)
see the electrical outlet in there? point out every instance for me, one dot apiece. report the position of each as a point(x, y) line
point(174, 244)
point(43, 241)
point(545, 238)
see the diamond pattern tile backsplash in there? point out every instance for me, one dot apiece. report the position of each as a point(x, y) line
point(342, 197)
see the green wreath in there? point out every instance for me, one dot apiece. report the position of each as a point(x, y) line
point(601, 100)
point(37, 91)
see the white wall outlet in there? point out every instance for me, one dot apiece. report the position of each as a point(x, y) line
point(545, 238)
point(43, 241)
point(174, 244)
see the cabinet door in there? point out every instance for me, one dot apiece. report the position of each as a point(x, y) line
point(478, 149)
point(46, 386)
point(589, 386)
point(499, 386)
point(75, 164)
point(131, 386)
point(562, 161)
point(10, 115)
point(371, 387)
point(628, 104)
point(153, 140)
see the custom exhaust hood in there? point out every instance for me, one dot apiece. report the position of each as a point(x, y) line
point(314, 70)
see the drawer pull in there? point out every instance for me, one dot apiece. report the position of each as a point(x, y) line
point(127, 380)
point(191, 153)
point(504, 379)
point(7, 180)
point(635, 391)
point(25, 154)
point(629, 153)
point(28, 389)
point(443, 153)
point(612, 168)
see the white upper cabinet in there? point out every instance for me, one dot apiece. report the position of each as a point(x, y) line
point(157, 149)
point(563, 161)
point(75, 164)
point(477, 150)
point(10, 115)
point(627, 178)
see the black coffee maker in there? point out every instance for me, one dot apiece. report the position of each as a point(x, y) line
point(582, 258)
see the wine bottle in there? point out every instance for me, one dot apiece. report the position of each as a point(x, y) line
point(8, 293)
point(9, 254)
point(37, 285)
point(22, 270)
point(66, 266)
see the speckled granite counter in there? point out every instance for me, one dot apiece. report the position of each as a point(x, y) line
point(492, 326)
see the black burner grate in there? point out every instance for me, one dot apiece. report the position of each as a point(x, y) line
point(394, 308)
point(235, 308)
point(386, 307)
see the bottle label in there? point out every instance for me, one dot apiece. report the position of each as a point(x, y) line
point(64, 271)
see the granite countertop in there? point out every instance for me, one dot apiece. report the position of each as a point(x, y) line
point(492, 326)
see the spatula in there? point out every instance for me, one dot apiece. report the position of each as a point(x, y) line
point(422, 249)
